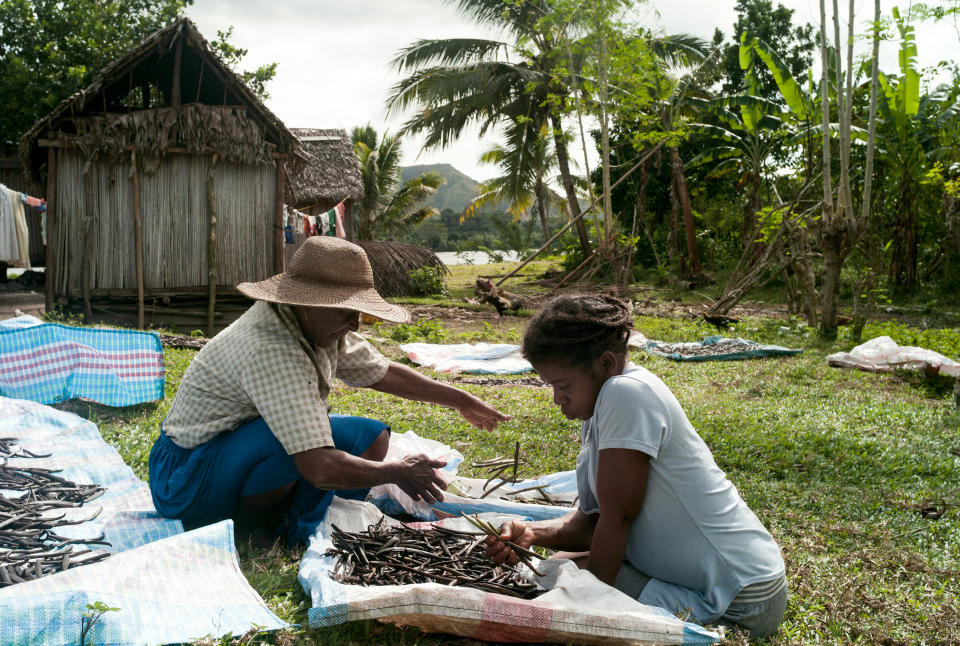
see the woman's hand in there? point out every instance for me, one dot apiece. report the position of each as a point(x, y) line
point(516, 532)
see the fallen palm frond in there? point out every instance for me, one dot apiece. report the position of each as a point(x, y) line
point(392, 262)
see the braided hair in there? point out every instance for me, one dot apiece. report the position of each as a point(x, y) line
point(578, 329)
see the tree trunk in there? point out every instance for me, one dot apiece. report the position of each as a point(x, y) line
point(541, 209)
point(673, 252)
point(642, 210)
point(903, 262)
point(567, 179)
point(833, 257)
point(951, 209)
point(693, 252)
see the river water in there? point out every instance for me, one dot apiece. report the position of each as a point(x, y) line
point(473, 257)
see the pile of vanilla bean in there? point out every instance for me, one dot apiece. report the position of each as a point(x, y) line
point(727, 346)
point(400, 555)
point(29, 500)
point(506, 471)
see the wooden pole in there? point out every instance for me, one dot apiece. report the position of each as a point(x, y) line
point(87, 253)
point(49, 268)
point(175, 90)
point(577, 268)
point(577, 218)
point(348, 219)
point(211, 247)
point(138, 236)
point(278, 235)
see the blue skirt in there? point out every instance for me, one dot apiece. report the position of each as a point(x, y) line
point(203, 485)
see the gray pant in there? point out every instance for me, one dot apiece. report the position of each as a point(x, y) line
point(759, 618)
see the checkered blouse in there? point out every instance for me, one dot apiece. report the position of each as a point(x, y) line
point(263, 366)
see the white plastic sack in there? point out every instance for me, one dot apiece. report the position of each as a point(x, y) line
point(882, 354)
point(576, 607)
point(475, 358)
point(392, 499)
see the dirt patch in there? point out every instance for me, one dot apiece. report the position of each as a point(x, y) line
point(14, 297)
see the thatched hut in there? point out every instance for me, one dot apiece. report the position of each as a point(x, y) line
point(392, 263)
point(165, 183)
point(332, 175)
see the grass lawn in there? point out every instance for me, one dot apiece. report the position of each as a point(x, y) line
point(837, 464)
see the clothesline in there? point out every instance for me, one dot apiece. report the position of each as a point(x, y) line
point(329, 223)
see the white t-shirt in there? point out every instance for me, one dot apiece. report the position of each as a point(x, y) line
point(695, 537)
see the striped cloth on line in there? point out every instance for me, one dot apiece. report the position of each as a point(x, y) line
point(50, 363)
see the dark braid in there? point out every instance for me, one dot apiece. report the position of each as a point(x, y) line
point(579, 329)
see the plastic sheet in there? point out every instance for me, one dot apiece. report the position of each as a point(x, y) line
point(576, 607)
point(883, 354)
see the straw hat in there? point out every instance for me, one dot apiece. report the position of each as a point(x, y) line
point(327, 272)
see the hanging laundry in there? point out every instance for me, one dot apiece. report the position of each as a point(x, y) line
point(339, 211)
point(23, 234)
point(306, 229)
point(35, 202)
point(14, 235)
point(323, 221)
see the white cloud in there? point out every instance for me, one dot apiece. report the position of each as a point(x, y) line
point(334, 55)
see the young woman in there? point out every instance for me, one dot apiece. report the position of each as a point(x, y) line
point(657, 518)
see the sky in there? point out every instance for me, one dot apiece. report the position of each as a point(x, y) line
point(334, 55)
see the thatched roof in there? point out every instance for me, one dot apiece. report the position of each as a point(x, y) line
point(331, 173)
point(211, 109)
point(392, 261)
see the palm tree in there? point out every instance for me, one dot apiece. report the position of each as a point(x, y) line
point(388, 207)
point(522, 187)
point(457, 82)
point(670, 94)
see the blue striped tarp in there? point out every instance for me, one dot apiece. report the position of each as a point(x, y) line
point(50, 363)
point(168, 586)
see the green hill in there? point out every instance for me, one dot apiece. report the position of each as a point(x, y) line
point(455, 194)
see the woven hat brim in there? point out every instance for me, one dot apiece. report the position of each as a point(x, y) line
point(291, 290)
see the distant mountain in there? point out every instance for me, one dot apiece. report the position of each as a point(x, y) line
point(455, 194)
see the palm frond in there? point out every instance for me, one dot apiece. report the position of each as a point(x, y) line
point(680, 49)
point(456, 52)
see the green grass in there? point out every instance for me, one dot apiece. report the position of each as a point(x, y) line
point(836, 463)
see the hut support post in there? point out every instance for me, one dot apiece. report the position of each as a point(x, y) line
point(175, 89)
point(138, 236)
point(48, 268)
point(86, 268)
point(211, 247)
point(278, 235)
point(348, 220)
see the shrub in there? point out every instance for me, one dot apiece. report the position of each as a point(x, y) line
point(427, 281)
point(428, 330)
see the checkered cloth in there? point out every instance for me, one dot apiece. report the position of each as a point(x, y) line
point(263, 366)
point(49, 363)
point(170, 587)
